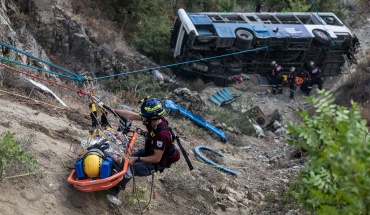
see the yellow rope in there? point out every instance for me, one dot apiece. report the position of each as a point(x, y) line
point(112, 144)
point(88, 143)
point(34, 173)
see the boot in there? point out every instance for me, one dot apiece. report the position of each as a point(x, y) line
point(280, 91)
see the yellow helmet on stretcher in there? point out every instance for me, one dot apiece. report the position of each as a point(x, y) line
point(92, 164)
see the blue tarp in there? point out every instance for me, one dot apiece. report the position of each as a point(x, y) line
point(224, 96)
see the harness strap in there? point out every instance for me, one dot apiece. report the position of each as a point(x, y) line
point(175, 137)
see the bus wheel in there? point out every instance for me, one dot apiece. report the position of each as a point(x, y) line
point(321, 36)
point(234, 70)
point(244, 36)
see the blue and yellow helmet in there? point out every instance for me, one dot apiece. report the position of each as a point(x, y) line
point(152, 108)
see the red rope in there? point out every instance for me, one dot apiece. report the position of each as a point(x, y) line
point(79, 91)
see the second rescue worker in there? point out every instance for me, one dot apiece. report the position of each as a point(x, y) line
point(276, 78)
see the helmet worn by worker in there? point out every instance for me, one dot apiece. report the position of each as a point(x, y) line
point(292, 69)
point(311, 63)
point(152, 107)
point(92, 163)
point(273, 63)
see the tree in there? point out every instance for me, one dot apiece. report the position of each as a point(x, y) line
point(297, 6)
point(225, 5)
point(336, 179)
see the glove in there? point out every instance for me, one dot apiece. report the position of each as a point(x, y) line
point(101, 104)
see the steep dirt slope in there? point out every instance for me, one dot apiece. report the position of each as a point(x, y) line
point(53, 139)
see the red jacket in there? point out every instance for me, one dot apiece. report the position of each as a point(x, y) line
point(277, 70)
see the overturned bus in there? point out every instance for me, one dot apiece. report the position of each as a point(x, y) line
point(218, 45)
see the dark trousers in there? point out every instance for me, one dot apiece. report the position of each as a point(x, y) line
point(318, 82)
point(306, 87)
point(144, 169)
point(141, 168)
point(277, 83)
point(292, 86)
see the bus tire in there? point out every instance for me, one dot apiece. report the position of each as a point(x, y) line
point(244, 36)
point(234, 70)
point(321, 36)
point(242, 46)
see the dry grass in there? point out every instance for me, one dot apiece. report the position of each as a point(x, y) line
point(356, 87)
point(101, 29)
point(197, 85)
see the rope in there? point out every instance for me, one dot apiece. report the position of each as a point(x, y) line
point(151, 193)
point(34, 173)
point(205, 159)
point(78, 78)
point(134, 188)
point(43, 103)
point(176, 64)
point(34, 67)
point(33, 76)
point(88, 143)
point(317, 12)
point(112, 144)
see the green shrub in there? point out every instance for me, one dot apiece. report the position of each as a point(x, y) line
point(234, 119)
point(297, 6)
point(336, 179)
point(11, 153)
point(140, 85)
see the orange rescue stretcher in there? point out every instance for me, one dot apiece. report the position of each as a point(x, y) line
point(98, 184)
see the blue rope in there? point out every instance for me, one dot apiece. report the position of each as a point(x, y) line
point(77, 78)
point(176, 64)
point(197, 151)
point(317, 12)
point(36, 68)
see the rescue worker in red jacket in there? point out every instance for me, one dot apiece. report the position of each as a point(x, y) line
point(315, 74)
point(159, 151)
point(291, 81)
point(276, 78)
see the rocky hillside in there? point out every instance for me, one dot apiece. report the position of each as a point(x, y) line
point(51, 30)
